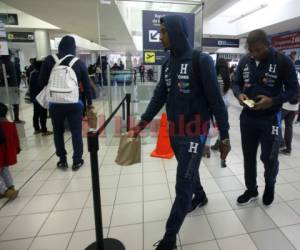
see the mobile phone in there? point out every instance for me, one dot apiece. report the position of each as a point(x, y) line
point(249, 103)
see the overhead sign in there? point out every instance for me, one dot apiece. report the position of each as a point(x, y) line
point(24, 37)
point(153, 51)
point(220, 42)
point(9, 19)
point(288, 41)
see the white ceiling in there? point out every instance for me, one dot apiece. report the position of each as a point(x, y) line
point(80, 17)
point(117, 30)
point(212, 8)
point(272, 15)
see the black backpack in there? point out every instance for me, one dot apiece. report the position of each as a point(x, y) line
point(197, 75)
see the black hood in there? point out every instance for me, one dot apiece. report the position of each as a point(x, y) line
point(177, 29)
point(67, 46)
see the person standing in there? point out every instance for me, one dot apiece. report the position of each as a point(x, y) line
point(223, 75)
point(121, 67)
point(289, 111)
point(9, 148)
point(18, 70)
point(12, 86)
point(39, 113)
point(190, 92)
point(72, 112)
point(142, 72)
point(269, 79)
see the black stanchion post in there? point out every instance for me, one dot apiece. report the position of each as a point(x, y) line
point(128, 100)
point(123, 111)
point(100, 243)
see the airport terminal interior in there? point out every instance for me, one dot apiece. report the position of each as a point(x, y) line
point(119, 45)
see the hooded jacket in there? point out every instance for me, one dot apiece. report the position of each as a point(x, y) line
point(186, 103)
point(274, 77)
point(34, 86)
point(67, 46)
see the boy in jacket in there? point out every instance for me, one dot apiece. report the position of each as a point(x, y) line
point(191, 95)
point(9, 148)
point(269, 79)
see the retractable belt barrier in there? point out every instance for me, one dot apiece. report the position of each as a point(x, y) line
point(93, 147)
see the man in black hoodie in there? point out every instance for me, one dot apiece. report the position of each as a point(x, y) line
point(191, 95)
point(73, 111)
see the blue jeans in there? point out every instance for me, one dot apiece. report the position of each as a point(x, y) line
point(6, 180)
point(188, 152)
point(73, 114)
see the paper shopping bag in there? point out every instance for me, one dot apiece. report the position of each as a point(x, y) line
point(129, 151)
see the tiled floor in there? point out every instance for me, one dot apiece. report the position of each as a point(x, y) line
point(55, 208)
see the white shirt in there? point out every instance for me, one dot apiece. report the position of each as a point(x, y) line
point(292, 107)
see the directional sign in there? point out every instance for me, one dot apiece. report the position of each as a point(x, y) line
point(21, 37)
point(9, 19)
point(154, 36)
point(154, 52)
point(149, 57)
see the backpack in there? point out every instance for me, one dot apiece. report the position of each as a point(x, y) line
point(63, 84)
point(196, 75)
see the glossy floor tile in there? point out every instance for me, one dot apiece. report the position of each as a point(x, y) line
point(55, 208)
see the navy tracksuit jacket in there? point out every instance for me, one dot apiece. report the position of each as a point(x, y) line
point(71, 112)
point(185, 104)
point(273, 77)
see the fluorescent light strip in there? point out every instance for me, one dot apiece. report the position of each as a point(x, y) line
point(262, 6)
point(186, 2)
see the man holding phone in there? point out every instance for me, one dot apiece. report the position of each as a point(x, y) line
point(265, 79)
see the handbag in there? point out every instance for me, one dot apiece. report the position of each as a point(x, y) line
point(129, 151)
point(42, 98)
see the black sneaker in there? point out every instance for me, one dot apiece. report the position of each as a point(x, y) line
point(223, 164)
point(62, 165)
point(268, 196)
point(247, 197)
point(285, 151)
point(198, 202)
point(77, 165)
point(165, 245)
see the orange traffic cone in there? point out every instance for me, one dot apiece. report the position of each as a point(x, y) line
point(163, 145)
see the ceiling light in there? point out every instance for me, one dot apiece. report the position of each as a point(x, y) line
point(262, 6)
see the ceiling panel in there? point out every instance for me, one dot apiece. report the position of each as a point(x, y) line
point(80, 17)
